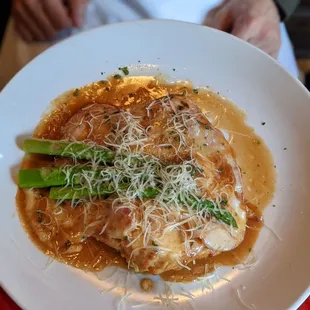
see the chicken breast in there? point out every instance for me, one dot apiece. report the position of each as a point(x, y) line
point(165, 232)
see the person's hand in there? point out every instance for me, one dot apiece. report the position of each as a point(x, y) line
point(255, 21)
point(42, 19)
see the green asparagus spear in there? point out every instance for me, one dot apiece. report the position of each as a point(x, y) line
point(80, 192)
point(68, 149)
point(46, 177)
point(214, 210)
point(103, 190)
point(220, 214)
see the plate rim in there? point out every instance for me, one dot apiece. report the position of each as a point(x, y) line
point(11, 293)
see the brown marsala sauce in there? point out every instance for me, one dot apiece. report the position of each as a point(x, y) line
point(252, 155)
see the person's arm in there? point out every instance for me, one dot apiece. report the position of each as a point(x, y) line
point(286, 7)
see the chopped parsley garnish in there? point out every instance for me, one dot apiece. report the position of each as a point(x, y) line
point(263, 123)
point(39, 216)
point(76, 92)
point(117, 76)
point(208, 127)
point(195, 91)
point(221, 170)
point(173, 69)
point(223, 202)
point(154, 243)
point(126, 238)
point(103, 82)
point(257, 142)
point(124, 70)
point(184, 92)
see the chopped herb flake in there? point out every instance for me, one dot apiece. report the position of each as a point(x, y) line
point(224, 202)
point(39, 216)
point(131, 95)
point(184, 92)
point(154, 243)
point(125, 70)
point(67, 244)
point(180, 108)
point(76, 92)
point(103, 81)
point(117, 76)
point(250, 249)
point(126, 238)
point(221, 170)
point(208, 127)
point(173, 69)
point(195, 91)
point(257, 142)
point(263, 123)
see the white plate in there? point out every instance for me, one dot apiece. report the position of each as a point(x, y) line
point(240, 72)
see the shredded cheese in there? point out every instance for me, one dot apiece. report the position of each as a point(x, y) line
point(134, 172)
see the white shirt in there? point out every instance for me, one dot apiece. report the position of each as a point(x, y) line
point(16, 54)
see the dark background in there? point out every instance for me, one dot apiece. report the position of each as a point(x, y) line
point(298, 27)
point(5, 8)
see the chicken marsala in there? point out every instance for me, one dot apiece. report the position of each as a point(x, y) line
point(171, 192)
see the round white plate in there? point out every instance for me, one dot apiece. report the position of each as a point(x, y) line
point(254, 81)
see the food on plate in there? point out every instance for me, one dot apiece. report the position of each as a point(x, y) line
point(146, 284)
point(136, 173)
